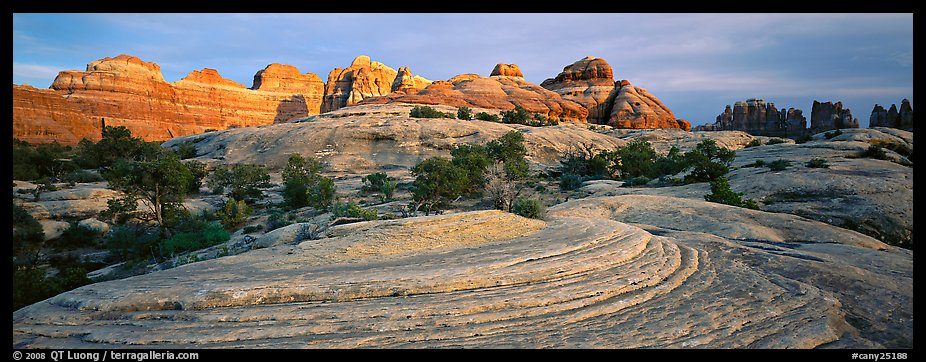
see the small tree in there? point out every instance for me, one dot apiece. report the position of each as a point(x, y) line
point(509, 149)
point(186, 150)
point(379, 182)
point(322, 194)
point(499, 188)
point(528, 207)
point(708, 161)
point(474, 159)
point(722, 193)
point(198, 171)
point(160, 184)
point(234, 213)
point(437, 183)
point(518, 115)
point(636, 159)
point(246, 181)
point(464, 113)
point(483, 116)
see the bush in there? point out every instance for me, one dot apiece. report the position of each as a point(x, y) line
point(803, 139)
point(186, 150)
point(708, 161)
point(234, 213)
point(252, 228)
point(778, 165)
point(637, 159)
point(322, 194)
point(82, 176)
point(817, 163)
point(757, 163)
point(379, 182)
point(829, 135)
point(670, 164)
point(428, 112)
point(570, 181)
point(246, 181)
point(77, 236)
point(483, 116)
point(352, 211)
point(48, 160)
point(518, 115)
point(509, 148)
point(722, 193)
point(31, 285)
point(27, 232)
point(876, 152)
point(775, 141)
point(528, 207)
point(464, 113)
point(586, 164)
point(211, 234)
point(437, 182)
point(198, 170)
point(475, 160)
point(754, 143)
point(130, 243)
point(637, 181)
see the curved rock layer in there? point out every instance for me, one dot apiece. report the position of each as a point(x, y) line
point(370, 137)
point(580, 279)
point(362, 79)
point(126, 91)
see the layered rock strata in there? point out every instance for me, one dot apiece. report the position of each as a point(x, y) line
point(126, 91)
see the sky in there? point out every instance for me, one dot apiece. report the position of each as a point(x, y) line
point(694, 63)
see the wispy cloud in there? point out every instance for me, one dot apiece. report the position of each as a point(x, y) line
point(22, 70)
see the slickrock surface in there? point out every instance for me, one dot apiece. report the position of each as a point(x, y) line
point(361, 139)
point(869, 195)
point(127, 91)
point(685, 273)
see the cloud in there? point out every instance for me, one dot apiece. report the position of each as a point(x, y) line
point(22, 70)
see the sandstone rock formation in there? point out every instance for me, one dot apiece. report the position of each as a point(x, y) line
point(406, 83)
point(127, 91)
point(610, 272)
point(362, 79)
point(367, 138)
point(589, 82)
point(507, 70)
point(893, 118)
point(761, 119)
point(828, 116)
point(636, 108)
point(499, 92)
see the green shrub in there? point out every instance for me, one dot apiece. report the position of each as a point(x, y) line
point(475, 160)
point(437, 182)
point(82, 176)
point(295, 194)
point(670, 164)
point(130, 243)
point(637, 159)
point(186, 150)
point(33, 162)
point(586, 164)
point(817, 163)
point(31, 285)
point(27, 232)
point(181, 242)
point(570, 181)
point(876, 152)
point(803, 139)
point(234, 213)
point(775, 141)
point(518, 115)
point(322, 194)
point(754, 143)
point(829, 135)
point(428, 112)
point(464, 113)
point(120, 210)
point(77, 236)
point(722, 193)
point(353, 211)
point(757, 163)
point(483, 116)
point(778, 165)
point(637, 181)
point(708, 161)
point(509, 148)
point(198, 170)
point(528, 207)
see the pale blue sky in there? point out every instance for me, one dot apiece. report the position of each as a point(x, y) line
point(695, 63)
